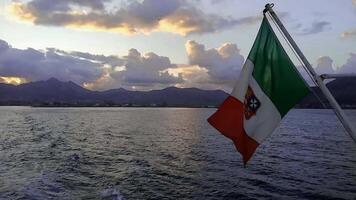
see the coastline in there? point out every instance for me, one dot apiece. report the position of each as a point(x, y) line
point(142, 106)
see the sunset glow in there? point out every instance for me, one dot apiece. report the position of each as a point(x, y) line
point(153, 44)
point(12, 80)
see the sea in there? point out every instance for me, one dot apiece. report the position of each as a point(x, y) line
point(168, 153)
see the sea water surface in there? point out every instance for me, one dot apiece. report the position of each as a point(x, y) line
point(168, 153)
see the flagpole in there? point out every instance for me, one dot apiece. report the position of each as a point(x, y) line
point(336, 107)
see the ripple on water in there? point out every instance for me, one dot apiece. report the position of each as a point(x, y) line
point(121, 153)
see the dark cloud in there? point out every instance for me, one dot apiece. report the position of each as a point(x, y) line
point(146, 70)
point(37, 65)
point(218, 1)
point(64, 5)
point(133, 70)
point(176, 16)
point(208, 68)
point(111, 60)
point(317, 27)
point(349, 66)
point(92, 71)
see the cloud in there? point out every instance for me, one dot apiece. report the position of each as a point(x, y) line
point(194, 76)
point(146, 70)
point(97, 72)
point(133, 71)
point(36, 65)
point(208, 68)
point(317, 27)
point(111, 60)
point(348, 34)
point(349, 66)
point(215, 68)
point(324, 65)
point(3, 80)
point(12, 80)
point(222, 64)
point(175, 16)
point(218, 1)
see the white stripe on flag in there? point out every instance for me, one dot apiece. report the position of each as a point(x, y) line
point(241, 85)
point(267, 117)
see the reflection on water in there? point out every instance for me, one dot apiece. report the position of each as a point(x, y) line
point(156, 153)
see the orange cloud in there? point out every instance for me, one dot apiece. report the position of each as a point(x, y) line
point(21, 12)
point(12, 80)
point(173, 16)
point(349, 33)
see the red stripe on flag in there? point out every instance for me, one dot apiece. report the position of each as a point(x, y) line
point(228, 119)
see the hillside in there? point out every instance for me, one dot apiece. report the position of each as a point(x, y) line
point(57, 93)
point(343, 89)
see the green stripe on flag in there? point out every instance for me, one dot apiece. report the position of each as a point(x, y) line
point(274, 71)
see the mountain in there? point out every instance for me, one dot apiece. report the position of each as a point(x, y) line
point(50, 90)
point(343, 89)
point(57, 93)
point(171, 96)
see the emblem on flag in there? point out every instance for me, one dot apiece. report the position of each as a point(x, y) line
point(251, 104)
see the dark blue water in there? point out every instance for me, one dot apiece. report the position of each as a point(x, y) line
point(153, 153)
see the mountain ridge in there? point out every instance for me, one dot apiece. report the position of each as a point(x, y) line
point(54, 92)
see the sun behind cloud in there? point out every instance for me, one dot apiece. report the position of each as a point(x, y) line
point(12, 80)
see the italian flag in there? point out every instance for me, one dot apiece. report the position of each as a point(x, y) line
point(268, 87)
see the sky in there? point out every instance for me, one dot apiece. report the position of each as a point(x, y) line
point(153, 44)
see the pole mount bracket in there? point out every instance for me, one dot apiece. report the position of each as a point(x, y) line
point(267, 7)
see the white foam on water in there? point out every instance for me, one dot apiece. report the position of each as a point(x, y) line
point(45, 186)
point(112, 193)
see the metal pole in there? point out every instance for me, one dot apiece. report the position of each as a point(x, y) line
point(336, 107)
